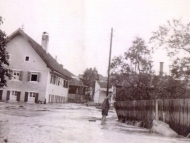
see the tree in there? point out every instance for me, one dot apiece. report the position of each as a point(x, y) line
point(133, 72)
point(168, 87)
point(89, 76)
point(175, 38)
point(3, 58)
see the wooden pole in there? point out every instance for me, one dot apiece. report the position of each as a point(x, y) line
point(109, 62)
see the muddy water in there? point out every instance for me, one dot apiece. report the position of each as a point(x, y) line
point(68, 123)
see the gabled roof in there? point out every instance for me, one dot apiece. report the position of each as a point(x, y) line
point(76, 82)
point(103, 84)
point(47, 58)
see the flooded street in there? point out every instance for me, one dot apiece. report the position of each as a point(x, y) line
point(68, 123)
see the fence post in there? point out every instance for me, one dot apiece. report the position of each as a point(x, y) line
point(156, 109)
point(163, 111)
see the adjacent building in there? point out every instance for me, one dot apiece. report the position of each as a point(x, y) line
point(77, 90)
point(100, 91)
point(36, 75)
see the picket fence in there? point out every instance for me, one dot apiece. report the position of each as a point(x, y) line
point(175, 112)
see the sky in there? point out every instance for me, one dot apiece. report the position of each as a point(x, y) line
point(79, 30)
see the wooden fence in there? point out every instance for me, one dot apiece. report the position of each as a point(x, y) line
point(175, 112)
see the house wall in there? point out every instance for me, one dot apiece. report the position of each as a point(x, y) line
point(19, 48)
point(100, 93)
point(96, 93)
point(102, 96)
point(59, 91)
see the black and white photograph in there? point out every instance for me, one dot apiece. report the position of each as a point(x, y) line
point(94, 71)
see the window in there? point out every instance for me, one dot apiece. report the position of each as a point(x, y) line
point(15, 75)
point(66, 84)
point(27, 58)
point(14, 93)
point(32, 94)
point(34, 76)
point(58, 81)
point(54, 79)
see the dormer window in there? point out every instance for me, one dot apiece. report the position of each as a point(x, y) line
point(27, 58)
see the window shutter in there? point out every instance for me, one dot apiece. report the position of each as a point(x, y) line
point(11, 74)
point(36, 98)
point(38, 77)
point(26, 97)
point(18, 97)
point(20, 77)
point(29, 73)
point(51, 79)
point(1, 94)
point(8, 95)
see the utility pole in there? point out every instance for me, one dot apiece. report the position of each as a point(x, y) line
point(109, 62)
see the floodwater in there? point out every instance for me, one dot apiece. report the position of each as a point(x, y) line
point(68, 123)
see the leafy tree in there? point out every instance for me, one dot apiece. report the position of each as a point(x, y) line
point(175, 38)
point(133, 72)
point(89, 76)
point(168, 87)
point(3, 58)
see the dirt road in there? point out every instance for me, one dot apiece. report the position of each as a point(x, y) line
point(68, 123)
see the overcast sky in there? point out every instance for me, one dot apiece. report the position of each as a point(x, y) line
point(79, 30)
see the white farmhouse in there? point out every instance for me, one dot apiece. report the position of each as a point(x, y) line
point(36, 75)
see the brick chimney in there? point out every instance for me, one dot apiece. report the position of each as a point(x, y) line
point(161, 68)
point(45, 41)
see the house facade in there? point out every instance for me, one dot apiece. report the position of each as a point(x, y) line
point(100, 91)
point(35, 74)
